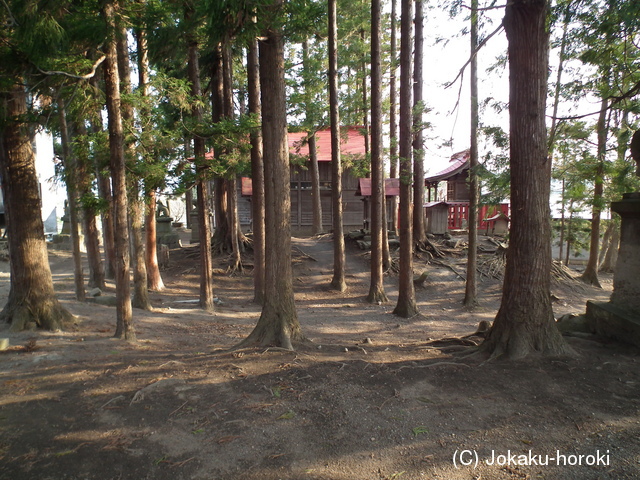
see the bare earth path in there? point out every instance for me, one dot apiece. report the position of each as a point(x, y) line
point(373, 398)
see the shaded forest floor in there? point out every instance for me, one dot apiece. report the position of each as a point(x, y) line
point(376, 397)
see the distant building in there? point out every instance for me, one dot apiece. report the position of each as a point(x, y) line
point(352, 145)
point(452, 211)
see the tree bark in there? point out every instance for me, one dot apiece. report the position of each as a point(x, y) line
point(316, 201)
point(31, 299)
point(590, 274)
point(105, 193)
point(89, 213)
point(136, 209)
point(471, 288)
point(278, 323)
point(206, 261)
point(154, 278)
point(124, 327)
point(406, 306)
point(525, 323)
point(419, 232)
point(393, 112)
point(71, 180)
point(257, 175)
point(235, 262)
point(339, 258)
point(376, 288)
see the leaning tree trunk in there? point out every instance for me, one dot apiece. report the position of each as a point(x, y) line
point(525, 322)
point(124, 327)
point(32, 299)
point(406, 306)
point(339, 258)
point(278, 323)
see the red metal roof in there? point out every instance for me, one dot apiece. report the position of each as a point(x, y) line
point(352, 143)
point(459, 162)
point(391, 187)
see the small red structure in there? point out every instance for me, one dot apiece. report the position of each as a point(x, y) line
point(452, 212)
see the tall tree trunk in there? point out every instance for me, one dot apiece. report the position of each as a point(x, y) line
point(590, 274)
point(257, 175)
point(339, 258)
point(154, 278)
point(406, 306)
point(91, 233)
point(124, 326)
point(206, 261)
point(71, 179)
point(365, 100)
point(235, 262)
point(136, 208)
point(376, 288)
point(31, 299)
point(314, 171)
point(471, 289)
point(278, 323)
point(104, 192)
point(316, 201)
point(393, 112)
point(419, 232)
point(525, 323)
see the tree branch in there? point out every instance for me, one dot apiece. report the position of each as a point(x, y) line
point(77, 77)
point(473, 54)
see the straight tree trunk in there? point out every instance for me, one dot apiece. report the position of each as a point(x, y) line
point(31, 299)
point(376, 288)
point(71, 180)
point(339, 258)
point(104, 192)
point(206, 261)
point(278, 323)
point(154, 278)
point(315, 185)
point(471, 288)
point(316, 201)
point(235, 262)
point(590, 274)
point(525, 323)
point(124, 326)
point(89, 214)
point(419, 232)
point(136, 207)
point(257, 175)
point(406, 306)
point(393, 112)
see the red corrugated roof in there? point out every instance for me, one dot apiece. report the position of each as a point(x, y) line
point(352, 142)
point(391, 187)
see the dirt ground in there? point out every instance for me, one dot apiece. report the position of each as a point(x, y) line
point(376, 397)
